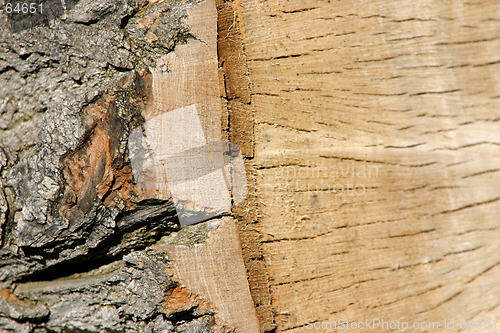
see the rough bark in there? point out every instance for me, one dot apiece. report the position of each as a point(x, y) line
point(76, 229)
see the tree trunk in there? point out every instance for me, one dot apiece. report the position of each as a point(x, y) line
point(369, 133)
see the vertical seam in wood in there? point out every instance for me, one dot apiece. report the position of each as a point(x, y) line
point(236, 91)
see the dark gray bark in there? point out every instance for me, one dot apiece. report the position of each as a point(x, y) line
point(75, 230)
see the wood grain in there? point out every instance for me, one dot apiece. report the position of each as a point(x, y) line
point(189, 75)
point(239, 129)
point(409, 91)
point(214, 270)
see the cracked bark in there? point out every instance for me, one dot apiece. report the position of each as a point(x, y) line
point(83, 247)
